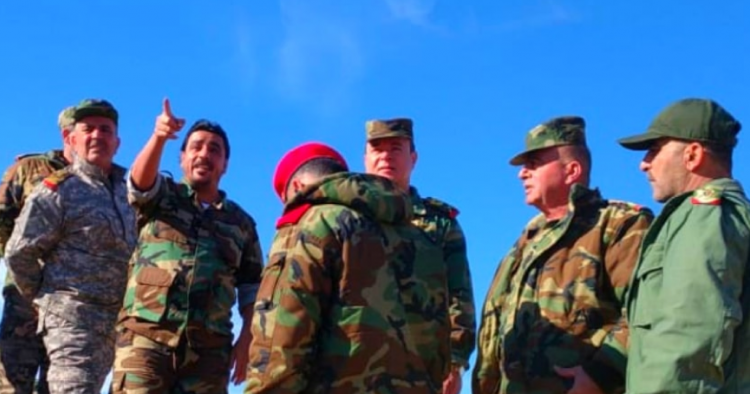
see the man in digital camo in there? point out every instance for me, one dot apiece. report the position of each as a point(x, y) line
point(23, 351)
point(195, 249)
point(350, 301)
point(689, 301)
point(552, 320)
point(390, 152)
point(69, 250)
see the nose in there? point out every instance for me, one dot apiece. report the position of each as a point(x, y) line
point(645, 164)
point(523, 173)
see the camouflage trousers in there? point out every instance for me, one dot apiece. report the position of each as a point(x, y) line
point(143, 366)
point(80, 350)
point(23, 352)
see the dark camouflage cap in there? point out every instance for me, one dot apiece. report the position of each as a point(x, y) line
point(689, 119)
point(65, 119)
point(95, 107)
point(387, 128)
point(564, 130)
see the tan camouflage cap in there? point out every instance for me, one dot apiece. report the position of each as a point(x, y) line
point(65, 119)
point(95, 107)
point(564, 130)
point(388, 128)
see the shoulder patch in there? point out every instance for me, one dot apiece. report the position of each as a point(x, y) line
point(706, 196)
point(445, 208)
point(54, 180)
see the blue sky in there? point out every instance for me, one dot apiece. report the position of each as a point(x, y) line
point(474, 75)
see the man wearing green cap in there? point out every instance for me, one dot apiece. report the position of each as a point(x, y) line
point(690, 295)
point(391, 153)
point(23, 350)
point(552, 320)
point(69, 250)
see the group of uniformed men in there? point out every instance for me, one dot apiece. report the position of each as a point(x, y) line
point(367, 287)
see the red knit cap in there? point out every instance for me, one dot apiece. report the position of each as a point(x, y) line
point(295, 158)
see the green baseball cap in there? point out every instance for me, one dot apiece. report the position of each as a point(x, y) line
point(65, 119)
point(95, 107)
point(563, 130)
point(388, 128)
point(689, 119)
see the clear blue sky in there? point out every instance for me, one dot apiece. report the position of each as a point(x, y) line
point(475, 76)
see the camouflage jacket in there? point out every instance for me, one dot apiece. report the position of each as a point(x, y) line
point(73, 238)
point(18, 181)
point(351, 300)
point(188, 264)
point(438, 220)
point(557, 299)
point(689, 301)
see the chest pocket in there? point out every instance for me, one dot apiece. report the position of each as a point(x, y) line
point(165, 229)
point(230, 242)
point(648, 281)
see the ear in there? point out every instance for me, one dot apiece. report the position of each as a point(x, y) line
point(414, 157)
point(693, 156)
point(573, 172)
point(226, 166)
point(117, 145)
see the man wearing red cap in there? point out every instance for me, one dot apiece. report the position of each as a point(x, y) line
point(341, 307)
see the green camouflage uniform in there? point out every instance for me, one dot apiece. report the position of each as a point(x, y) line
point(689, 300)
point(23, 350)
point(438, 220)
point(176, 328)
point(350, 301)
point(557, 297)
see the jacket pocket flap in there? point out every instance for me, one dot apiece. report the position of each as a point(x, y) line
point(153, 276)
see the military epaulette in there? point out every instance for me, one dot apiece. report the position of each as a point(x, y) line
point(442, 207)
point(54, 180)
point(627, 205)
point(706, 196)
point(26, 155)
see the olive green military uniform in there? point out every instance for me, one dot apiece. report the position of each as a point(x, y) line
point(689, 300)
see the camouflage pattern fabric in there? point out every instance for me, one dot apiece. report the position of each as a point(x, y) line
point(76, 221)
point(23, 350)
point(438, 220)
point(185, 270)
point(143, 366)
point(80, 341)
point(351, 300)
point(557, 300)
point(558, 131)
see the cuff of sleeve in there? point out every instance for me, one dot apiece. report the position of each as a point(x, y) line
point(609, 379)
point(143, 195)
point(458, 362)
point(246, 294)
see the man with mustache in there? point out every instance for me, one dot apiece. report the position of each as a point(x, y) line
point(391, 153)
point(195, 249)
point(689, 301)
point(552, 321)
point(351, 301)
point(69, 252)
point(23, 349)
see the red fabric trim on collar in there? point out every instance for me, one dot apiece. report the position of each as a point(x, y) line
point(292, 216)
